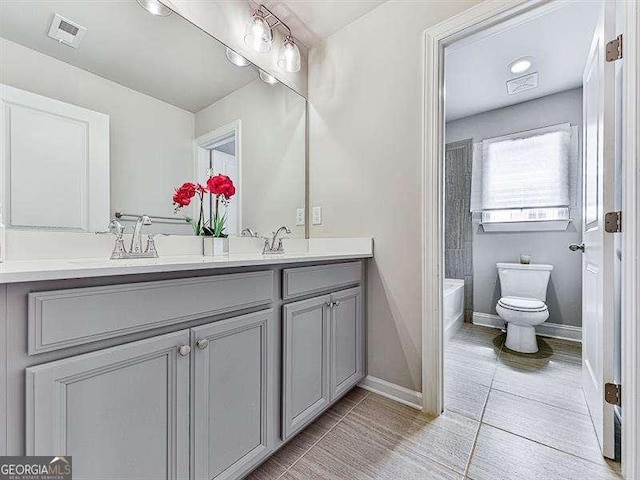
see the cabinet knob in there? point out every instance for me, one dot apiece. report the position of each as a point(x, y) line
point(202, 344)
point(184, 350)
point(336, 303)
point(329, 304)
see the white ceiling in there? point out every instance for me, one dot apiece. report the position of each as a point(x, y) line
point(165, 57)
point(558, 39)
point(313, 20)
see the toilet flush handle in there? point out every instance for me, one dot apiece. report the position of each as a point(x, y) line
point(574, 247)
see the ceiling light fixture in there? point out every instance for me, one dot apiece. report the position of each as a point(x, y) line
point(520, 65)
point(259, 37)
point(268, 78)
point(237, 59)
point(155, 7)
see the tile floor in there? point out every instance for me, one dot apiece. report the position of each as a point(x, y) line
point(509, 417)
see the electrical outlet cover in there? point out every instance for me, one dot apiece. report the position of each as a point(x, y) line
point(317, 216)
point(300, 217)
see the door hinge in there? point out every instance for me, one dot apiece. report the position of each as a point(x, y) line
point(614, 49)
point(613, 394)
point(613, 222)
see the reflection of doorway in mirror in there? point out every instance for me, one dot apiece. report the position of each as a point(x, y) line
point(50, 139)
point(218, 152)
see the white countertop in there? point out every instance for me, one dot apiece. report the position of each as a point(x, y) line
point(320, 250)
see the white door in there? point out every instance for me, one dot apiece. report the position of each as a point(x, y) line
point(227, 164)
point(55, 163)
point(219, 151)
point(598, 271)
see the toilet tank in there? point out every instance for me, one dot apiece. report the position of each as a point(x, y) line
point(530, 281)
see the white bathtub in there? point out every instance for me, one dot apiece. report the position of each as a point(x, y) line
point(453, 306)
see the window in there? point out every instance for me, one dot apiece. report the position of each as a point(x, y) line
point(526, 177)
point(525, 215)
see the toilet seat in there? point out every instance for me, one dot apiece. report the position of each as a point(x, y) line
point(520, 304)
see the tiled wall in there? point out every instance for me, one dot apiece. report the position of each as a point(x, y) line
point(458, 240)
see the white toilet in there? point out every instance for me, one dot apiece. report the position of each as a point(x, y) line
point(522, 306)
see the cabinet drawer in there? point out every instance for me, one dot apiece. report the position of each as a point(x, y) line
point(322, 278)
point(63, 318)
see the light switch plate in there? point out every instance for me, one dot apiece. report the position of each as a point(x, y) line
point(300, 217)
point(317, 216)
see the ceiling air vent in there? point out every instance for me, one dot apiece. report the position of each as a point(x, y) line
point(521, 84)
point(66, 31)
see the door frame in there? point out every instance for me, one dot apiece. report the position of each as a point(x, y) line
point(436, 39)
point(210, 139)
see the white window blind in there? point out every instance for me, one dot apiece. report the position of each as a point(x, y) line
point(526, 172)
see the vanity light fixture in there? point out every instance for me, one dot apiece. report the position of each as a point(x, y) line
point(258, 34)
point(268, 78)
point(259, 37)
point(520, 65)
point(155, 7)
point(237, 59)
point(289, 56)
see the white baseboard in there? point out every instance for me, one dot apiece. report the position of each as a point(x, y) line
point(392, 391)
point(488, 320)
point(552, 330)
point(564, 332)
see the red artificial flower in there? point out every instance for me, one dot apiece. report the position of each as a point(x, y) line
point(183, 195)
point(221, 185)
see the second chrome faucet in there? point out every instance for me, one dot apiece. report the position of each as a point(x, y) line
point(274, 244)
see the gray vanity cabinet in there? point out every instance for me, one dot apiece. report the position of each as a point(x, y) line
point(232, 388)
point(121, 412)
point(305, 362)
point(210, 401)
point(323, 354)
point(124, 412)
point(347, 337)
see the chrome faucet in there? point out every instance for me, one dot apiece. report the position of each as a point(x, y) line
point(136, 241)
point(135, 251)
point(247, 232)
point(270, 245)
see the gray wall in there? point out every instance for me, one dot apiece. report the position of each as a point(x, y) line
point(564, 295)
point(364, 166)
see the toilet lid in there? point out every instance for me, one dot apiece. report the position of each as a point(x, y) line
point(522, 304)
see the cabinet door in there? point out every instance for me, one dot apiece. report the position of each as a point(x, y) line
point(232, 390)
point(305, 357)
point(347, 341)
point(121, 412)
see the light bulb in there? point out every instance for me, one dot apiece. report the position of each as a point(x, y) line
point(268, 78)
point(520, 65)
point(155, 7)
point(289, 56)
point(258, 34)
point(236, 58)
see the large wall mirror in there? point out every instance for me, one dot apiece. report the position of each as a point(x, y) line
point(107, 109)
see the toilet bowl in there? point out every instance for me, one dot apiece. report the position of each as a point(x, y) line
point(522, 305)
